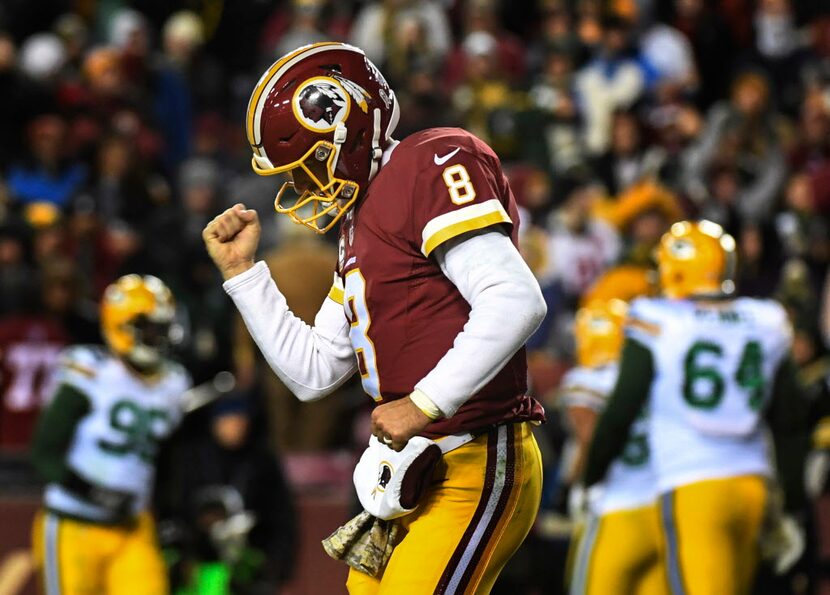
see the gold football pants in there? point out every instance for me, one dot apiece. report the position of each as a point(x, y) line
point(711, 530)
point(478, 510)
point(619, 552)
point(80, 558)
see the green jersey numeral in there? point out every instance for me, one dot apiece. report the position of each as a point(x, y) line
point(636, 451)
point(703, 385)
point(750, 374)
point(138, 429)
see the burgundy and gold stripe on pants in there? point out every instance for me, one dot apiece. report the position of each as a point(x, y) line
point(478, 510)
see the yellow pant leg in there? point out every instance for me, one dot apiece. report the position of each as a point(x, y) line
point(71, 556)
point(711, 533)
point(137, 568)
point(619, 552)
point(482, 504)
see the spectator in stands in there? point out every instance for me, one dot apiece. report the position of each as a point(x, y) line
point(811, 150)
point(481, 16)
point(21, 98)
point(377, 27)
point(184, 37)
point(74, 34)
point(553, 110)
point(303, 30)
point(119, 188)
point(742, 135)
point(237, 512)
point(611, 81)
point(669, 52)
point(48, 232)
point(711, 44)
point(16, 267)
point(803, 233)
point(641, 215)
point(42, 56)
point(206, 347)
point(556, 31)
point(779, 51)
point(48, 172)
point(424, 103)
point(485, 101)
point(581, 245)
point(629, 158)
point(62, 302)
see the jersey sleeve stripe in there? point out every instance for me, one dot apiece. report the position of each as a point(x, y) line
point(336, 294)
point(337, 291)
point(449, 225)
point(82, 370)
point(584, 390)
point(580, 396)
point(641, 325)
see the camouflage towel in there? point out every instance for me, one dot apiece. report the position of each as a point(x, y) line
point(365, 543)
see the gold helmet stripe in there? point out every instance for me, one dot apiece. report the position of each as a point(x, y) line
point(269, 79)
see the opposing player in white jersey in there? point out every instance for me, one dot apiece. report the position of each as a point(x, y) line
point(607, 559)
point(96, 443)
point(715, 373)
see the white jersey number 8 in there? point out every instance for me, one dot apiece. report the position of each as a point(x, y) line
point(354, 300)
point(459, 184)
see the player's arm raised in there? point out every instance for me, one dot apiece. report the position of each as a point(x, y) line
point(311, 361)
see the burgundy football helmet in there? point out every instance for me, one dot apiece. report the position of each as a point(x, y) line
point(323, 113)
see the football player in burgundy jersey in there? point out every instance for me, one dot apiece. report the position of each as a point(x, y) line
point(431, 303)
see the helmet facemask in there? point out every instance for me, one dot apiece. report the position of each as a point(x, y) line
point(323, 198)
point(151, 341)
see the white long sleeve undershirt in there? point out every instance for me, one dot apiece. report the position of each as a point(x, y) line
point(312, 361)
point(506, 307)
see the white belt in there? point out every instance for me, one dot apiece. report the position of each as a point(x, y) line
point(453, 441)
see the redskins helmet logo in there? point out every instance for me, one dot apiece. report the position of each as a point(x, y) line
point(384, 475)
point(320, 104)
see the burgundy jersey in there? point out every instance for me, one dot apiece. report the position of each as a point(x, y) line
point(29, 348)
point(404, 313)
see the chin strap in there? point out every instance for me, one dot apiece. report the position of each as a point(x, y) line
point(338, 139)
point(377, 152)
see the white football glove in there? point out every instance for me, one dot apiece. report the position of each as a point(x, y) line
point(782, 540)
point(784, 545)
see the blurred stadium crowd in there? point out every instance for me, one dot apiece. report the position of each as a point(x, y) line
point(121, 137)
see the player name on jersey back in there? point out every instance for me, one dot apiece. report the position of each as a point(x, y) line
point(714, 367)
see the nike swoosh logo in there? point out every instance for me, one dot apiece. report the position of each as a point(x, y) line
point(445, 158)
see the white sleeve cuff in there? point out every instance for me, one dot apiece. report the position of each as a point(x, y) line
point(253, 273)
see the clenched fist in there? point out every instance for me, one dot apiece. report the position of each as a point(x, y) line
point(394, 423)
point(232, 239)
